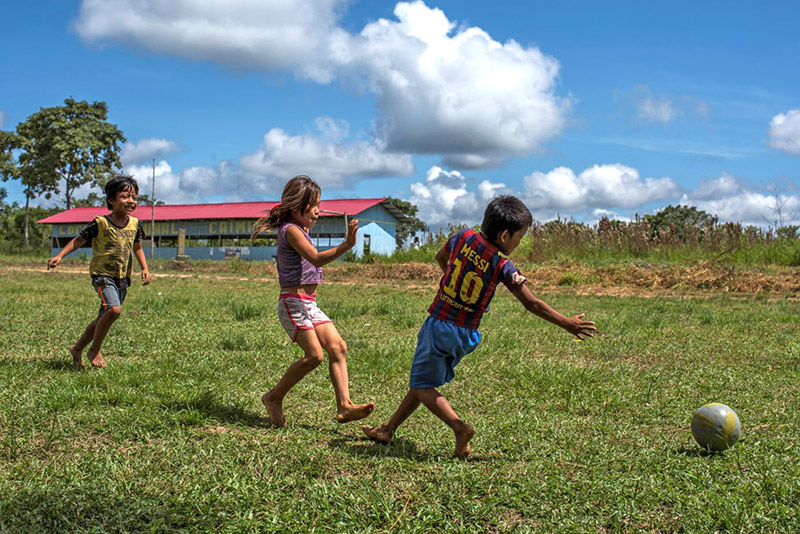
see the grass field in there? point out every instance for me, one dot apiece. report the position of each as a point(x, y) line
point(571, 436)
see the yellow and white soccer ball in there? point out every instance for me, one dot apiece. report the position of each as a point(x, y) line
point(715, 427)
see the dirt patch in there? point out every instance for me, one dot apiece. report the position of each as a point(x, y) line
point(617, 280)
point(652, 280)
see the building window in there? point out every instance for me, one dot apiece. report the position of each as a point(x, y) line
point(366, 244)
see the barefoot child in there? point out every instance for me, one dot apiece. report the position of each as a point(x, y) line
point(116, 238)
point(472, 268)
point(299, 274)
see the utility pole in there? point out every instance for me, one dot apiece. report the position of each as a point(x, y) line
point(153, 214)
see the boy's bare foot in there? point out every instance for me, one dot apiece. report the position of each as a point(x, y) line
point(96, 359)
point(354, 412)
point(274, 410)
point(463, 435)
point(76, 357)
point(381, 434)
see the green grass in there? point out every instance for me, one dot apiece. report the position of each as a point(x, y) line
point(571, 436)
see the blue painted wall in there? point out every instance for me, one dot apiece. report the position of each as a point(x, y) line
point(380, 241)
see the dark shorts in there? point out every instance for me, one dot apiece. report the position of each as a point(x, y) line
point(111, 291)
point(440, 346)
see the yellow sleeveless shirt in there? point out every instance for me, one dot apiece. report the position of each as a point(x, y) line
point(112, 249)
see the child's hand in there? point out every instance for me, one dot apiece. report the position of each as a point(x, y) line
point(53, 262)
point(352, 228)
point(580, 328)
point(145, 277)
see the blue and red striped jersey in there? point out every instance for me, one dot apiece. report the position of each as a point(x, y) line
point(473, 270)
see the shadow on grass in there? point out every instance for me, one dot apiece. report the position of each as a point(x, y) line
point(365, 447)
point(696, 451)
point(53, 364)
point(398, 448)
point(211, 408)
point(59, 365)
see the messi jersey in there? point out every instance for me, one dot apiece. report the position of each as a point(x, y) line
point(473, 270)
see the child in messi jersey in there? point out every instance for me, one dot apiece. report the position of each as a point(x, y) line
point(472, 267)
point(116, 238)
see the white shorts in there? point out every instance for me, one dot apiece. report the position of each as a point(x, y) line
point(299, 312)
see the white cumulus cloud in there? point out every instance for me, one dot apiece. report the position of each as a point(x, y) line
point(601, 190)
point(261, 174)
point(722, 187)
point(732, 201)
point(251, 34)
point(784, 132)
point(331, 164)
point(456, 92)
point(608, 214)
point(440, 89)
point(444, 198)
point(191, 185)
point(147, 149)
point(605, 186)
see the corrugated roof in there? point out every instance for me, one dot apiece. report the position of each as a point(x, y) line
point(234, 210)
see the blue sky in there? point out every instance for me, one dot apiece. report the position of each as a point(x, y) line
point(583, 109)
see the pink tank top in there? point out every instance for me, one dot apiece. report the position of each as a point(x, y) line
point(294, 269)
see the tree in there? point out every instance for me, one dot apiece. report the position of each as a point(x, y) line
point(6, 152)
point(144, 200)
point(411, 225)
point(680, 219)
point(93, 200)
point(70, 145)
point(20, 168)
point(783, 215)
point(12, 223)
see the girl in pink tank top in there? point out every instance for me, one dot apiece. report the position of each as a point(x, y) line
point(299, 273)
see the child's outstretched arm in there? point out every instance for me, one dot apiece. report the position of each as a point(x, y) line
point(139, 253)
point(73, 245)
point(575, 325)
point(298, 242)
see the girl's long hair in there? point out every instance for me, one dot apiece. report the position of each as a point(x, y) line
point(300, 193)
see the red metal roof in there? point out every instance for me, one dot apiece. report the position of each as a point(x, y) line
point(235, 210)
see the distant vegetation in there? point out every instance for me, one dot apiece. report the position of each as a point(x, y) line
point(674, 234)
point(12, 228)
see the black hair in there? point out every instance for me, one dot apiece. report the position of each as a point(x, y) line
point(118, 183)
point(504, 212)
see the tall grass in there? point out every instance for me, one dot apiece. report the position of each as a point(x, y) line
point(608, 241)
point(617, 241)
point(14, 248)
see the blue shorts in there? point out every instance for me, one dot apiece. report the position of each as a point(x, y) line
point(440, 346)
point(111, 291)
